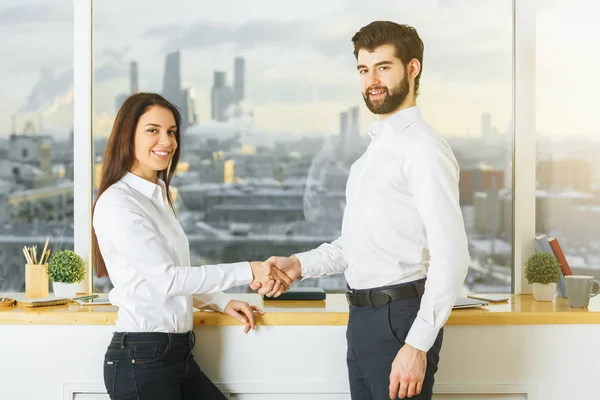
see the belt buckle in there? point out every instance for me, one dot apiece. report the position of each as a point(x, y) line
point(387, 296)
point(350, 294)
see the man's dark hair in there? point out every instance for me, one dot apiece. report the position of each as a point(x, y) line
point(404, 38)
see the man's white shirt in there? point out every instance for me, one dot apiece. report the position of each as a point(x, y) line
point(402, 221)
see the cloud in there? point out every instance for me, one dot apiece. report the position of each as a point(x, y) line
point(109, 71)
point(47, 89)
point(52, 91)
point(41, 12)
point(116, 55)
point(287, 35)
point(297, 90)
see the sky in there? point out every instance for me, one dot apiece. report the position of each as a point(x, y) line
point(300, 71)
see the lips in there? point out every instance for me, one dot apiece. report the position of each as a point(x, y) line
point(377, 93)
point(162, 154)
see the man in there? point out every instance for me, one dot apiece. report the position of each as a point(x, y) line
point(403, 246)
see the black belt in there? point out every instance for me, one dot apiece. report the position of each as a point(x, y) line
point(382, 296)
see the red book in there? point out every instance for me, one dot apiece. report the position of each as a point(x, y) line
point(558, 253)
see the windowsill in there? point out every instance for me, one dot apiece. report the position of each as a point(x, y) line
point(521, 310)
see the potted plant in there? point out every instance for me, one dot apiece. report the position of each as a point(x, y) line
point(65, 270)
point(543, 271)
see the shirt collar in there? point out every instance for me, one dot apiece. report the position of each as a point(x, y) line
point(398, 121)
point(143, 186)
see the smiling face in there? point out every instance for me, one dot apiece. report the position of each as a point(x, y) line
point(155, 142)
point(385, 84)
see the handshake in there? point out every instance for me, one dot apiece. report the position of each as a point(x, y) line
point(274, 276)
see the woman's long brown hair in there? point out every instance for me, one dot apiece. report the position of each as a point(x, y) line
point(120, 153)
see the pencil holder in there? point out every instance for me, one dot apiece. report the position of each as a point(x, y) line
point(36, 280)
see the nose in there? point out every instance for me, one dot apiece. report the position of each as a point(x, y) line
point(373, 79)
point(164, 138)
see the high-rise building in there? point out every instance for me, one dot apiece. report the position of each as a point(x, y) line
point(343, 128)
point(189, 108)
point(220, 97)
point(133, 78)
point(349, 132)
point(564, 175)
point(34, 150)
point(354, 129)
point(238, 79)
point(472, 181)
point(172, 91)
point(172, 79)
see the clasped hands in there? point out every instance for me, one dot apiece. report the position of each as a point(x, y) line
point(275, 275)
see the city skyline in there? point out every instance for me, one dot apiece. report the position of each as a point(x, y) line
point(471, 57)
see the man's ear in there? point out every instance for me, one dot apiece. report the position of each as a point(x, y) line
point(413, 68)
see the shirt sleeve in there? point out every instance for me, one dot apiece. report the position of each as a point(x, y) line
point(214, 301)
point(121, 226)
point(432, 173)
point(327, 259)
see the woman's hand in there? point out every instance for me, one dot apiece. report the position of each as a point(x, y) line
point(269, 279)
point(243, 312)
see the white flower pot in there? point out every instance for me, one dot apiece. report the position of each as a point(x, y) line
point(68, 290)
point(544, 292)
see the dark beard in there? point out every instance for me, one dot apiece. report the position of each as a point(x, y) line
point(391, 101)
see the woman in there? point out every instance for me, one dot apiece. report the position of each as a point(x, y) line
point(140, 244)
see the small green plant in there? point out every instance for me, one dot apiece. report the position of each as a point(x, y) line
point(542, 268)
point(66, 267)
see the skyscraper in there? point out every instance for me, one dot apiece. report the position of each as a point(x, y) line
point(354, 129)
point(239, 81)
point(343, 129)
point(172, 79)
point(133, 77)
point(189, 107)
point(220, 96)
point(173, 91)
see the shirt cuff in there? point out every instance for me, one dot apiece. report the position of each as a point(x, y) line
point(242, 273)
point(220, 301)
point(421, 335)
point(308, 262)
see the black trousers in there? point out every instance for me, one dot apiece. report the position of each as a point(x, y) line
point(155, 366)
point(374, 336)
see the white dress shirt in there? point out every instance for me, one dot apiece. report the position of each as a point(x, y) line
point(402, 221)
point(148, 259)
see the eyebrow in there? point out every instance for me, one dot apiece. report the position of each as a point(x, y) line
point(158, 126)
point(380, 63)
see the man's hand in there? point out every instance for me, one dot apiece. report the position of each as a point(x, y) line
point(269, 279)
point(243, 312)
point(408, 372)
point(289, 266)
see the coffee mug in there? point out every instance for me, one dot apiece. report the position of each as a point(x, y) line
point(580, 288)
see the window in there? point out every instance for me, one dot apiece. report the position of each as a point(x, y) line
point(274, 118)
point(36, 140)
point(568, 182)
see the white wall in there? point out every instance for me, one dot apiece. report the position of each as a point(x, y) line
point(542, 362)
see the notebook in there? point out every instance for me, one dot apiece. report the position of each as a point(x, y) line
point(43, 302)
point(465, 302)
point(300, 293)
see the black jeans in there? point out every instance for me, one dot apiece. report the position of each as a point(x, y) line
point(375, 335)
point(155, 366)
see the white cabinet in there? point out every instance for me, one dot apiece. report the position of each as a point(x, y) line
point(497, 396)
point(328, 396)
point(289, 396)
point(90, 396)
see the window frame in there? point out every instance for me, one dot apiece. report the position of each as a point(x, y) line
point(523, 150)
